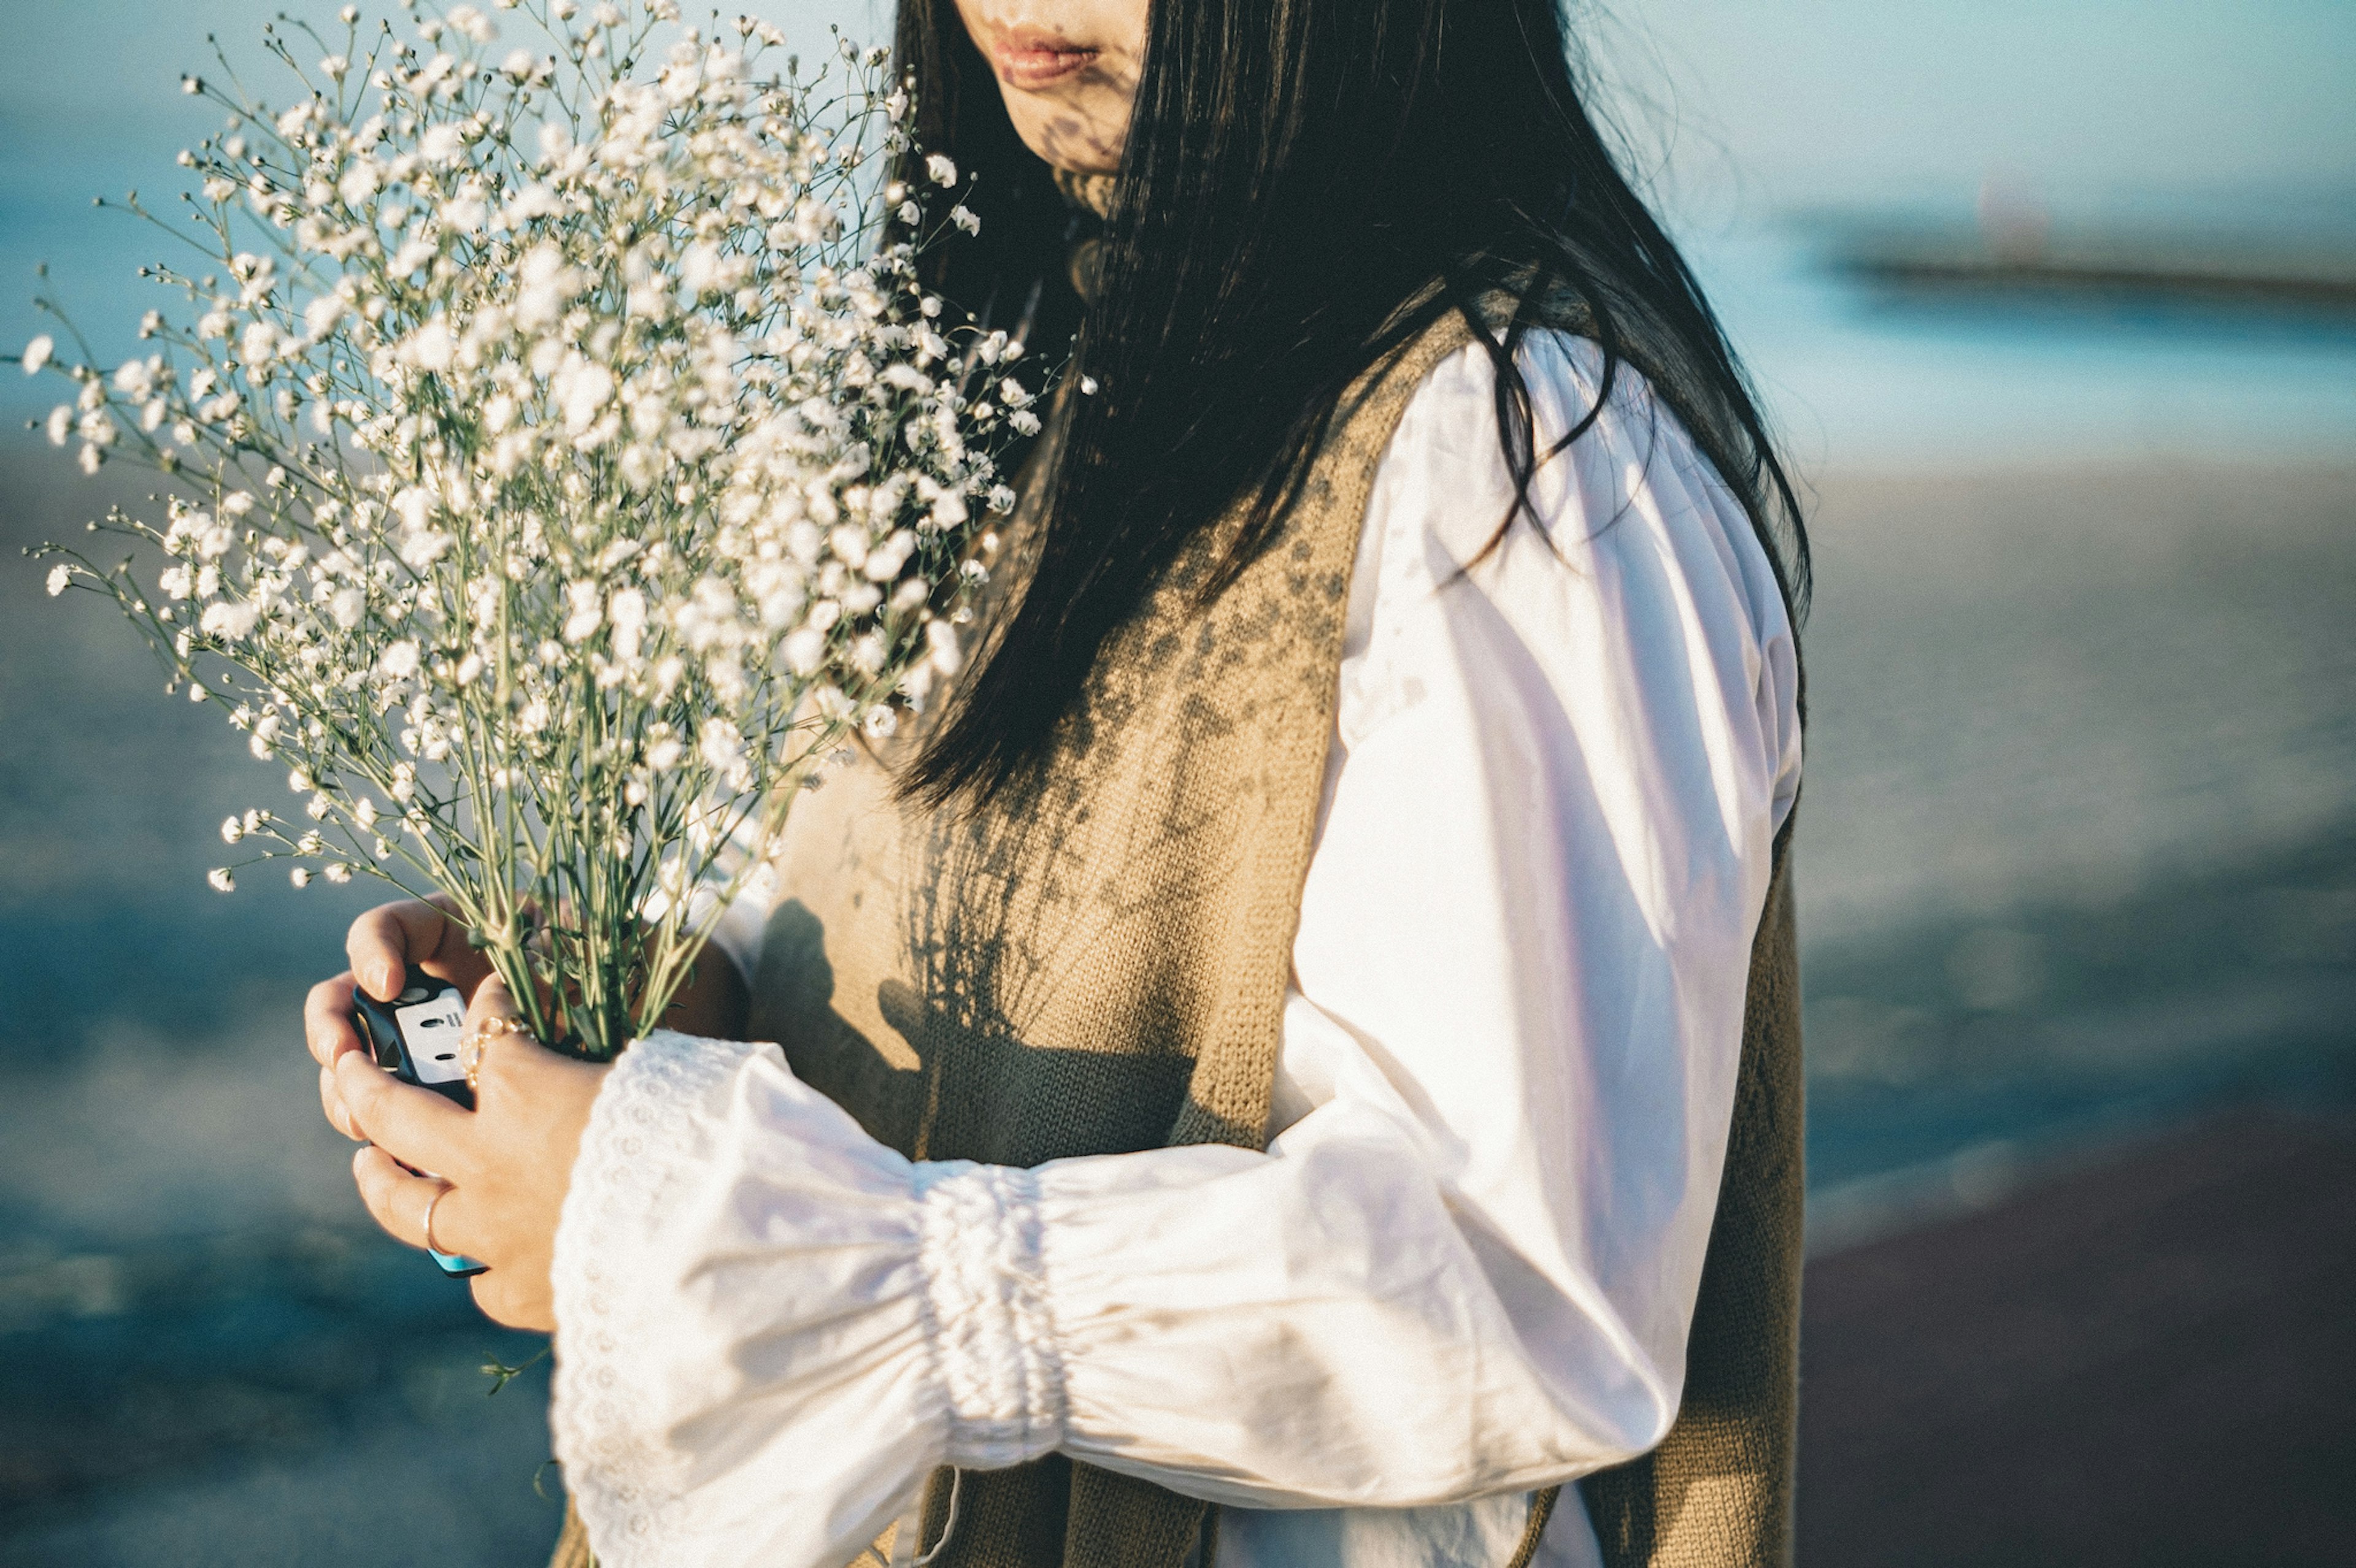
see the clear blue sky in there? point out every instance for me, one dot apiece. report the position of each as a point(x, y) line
point(1844, 101)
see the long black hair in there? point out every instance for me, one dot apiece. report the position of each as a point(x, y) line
point(1306, 186)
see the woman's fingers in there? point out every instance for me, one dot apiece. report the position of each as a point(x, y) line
point(491, 1000)
point(507, 1297)
point(500, 1050)
point(417, 1127)
point(332, 1102)
point(328, 1031)
point(383, 942)
point(396, 1198)
point(328, 1027)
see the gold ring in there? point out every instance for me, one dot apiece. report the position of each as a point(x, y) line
point(470, 1049)
point(432, 1245)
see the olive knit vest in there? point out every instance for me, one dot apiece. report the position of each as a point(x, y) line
point(1098, 964)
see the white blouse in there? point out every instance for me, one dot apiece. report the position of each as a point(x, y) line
point(1465, 1266)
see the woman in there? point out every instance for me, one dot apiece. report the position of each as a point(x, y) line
point(1264, 1068)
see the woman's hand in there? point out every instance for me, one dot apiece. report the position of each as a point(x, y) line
point(383, 944)
point(509, 1161)
point(506, 1165)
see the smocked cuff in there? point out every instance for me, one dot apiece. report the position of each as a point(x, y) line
point(986, 1313)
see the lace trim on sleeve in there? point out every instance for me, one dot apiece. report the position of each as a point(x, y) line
point(645, 1137)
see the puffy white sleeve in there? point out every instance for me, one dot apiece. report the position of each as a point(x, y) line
point(1466, 1264)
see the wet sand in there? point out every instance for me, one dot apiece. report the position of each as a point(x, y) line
point(2146, 1361)
point(2078, 860)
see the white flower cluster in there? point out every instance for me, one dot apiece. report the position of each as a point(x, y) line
point(569, 460)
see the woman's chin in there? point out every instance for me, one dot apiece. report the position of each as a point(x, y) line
point(1059, 147)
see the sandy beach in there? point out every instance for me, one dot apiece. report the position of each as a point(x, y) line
point(2078, 862)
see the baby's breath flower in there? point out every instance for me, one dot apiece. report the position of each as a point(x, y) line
point(470, 21)
point(941, 647)
point(37, 352)
point(222, 879)
point(442, 145)
point(575, 509)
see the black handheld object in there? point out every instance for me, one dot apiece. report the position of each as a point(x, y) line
point(415, 1037)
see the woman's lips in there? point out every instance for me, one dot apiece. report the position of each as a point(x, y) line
point(1034, 60)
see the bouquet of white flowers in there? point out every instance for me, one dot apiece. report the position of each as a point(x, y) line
point(565, 461)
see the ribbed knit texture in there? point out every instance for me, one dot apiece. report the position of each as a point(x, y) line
point(1099, 964)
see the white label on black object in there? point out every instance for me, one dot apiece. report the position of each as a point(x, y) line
point(433, 1030)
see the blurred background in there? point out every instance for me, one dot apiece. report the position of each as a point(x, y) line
point(2056, 303)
